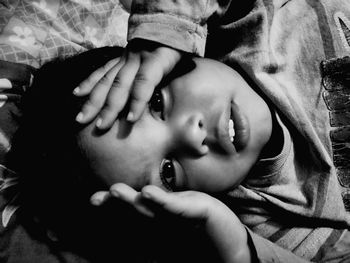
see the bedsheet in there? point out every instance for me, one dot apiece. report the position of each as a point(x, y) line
point(33, 32)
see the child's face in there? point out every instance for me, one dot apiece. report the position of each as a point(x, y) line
point(183, 140)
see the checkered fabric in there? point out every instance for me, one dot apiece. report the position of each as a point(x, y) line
point(35, 31)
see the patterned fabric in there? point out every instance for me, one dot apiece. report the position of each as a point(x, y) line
point(35, 31)
point(14, 80)
point(336, 83)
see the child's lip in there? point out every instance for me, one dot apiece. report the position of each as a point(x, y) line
point(241, 126)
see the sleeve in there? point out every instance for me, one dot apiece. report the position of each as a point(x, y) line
point(266, 251)
point(178, 24)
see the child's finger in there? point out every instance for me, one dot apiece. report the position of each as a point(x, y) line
point(188, 204)
point(147, 78)
point(93, 104)
point(130, 196)
point(99, 198)
point(98, 95)
point(118, 94)
point(123, 192)
point(152, 70)
point(167, 201)
point(88, 84)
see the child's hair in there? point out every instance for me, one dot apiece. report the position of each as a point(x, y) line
point(44, 150)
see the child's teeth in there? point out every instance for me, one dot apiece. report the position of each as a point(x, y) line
point(231, 130)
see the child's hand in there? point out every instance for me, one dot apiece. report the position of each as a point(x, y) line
point(221, 225)
point(132, 78)
point(188, 204)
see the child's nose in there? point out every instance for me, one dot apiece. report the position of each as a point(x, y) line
point(193, 133)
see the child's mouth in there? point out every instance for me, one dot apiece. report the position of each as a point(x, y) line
point(238, 127)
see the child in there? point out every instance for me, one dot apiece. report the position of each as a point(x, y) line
point(174, 146)
point(185, 127)
point(281, 45)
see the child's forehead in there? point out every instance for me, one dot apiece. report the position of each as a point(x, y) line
point(209, 73)
point(211, 69)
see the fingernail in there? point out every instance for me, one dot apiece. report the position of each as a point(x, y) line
point(130, 116)
point(115, 193)
point(146, 195)
point(96, 201)
point(79, 117)
point(76, 90)
point(98, 122)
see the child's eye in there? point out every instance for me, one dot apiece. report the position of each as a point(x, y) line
point(156, 103)
point(167, 174)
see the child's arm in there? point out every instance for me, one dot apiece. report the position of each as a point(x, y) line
point(167, 29)
point(228, 235)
